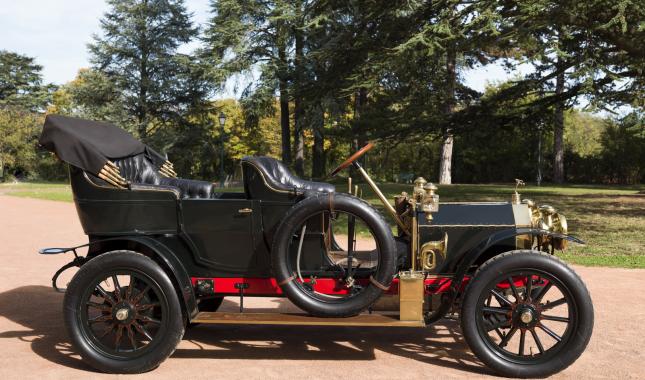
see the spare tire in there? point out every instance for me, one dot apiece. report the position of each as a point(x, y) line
point(302, 294)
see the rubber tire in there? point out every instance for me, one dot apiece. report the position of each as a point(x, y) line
point(527, 259)
point(86, 276)
point(297, 215)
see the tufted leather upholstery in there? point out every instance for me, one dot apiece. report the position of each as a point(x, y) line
point(268, 178)
point(139, 170)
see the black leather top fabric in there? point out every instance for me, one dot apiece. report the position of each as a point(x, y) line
point(140, 170)
point(266, 177)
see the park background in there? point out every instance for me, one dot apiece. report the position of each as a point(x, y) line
point(308, 82)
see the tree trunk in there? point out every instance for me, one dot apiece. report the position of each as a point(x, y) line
point(558, 130)
point(360, 138)
point(318, 153)
point(142, 99)
point(284, 106)
point(445, 164)
point(298, 138)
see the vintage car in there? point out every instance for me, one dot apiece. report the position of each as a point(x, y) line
point(164, 251)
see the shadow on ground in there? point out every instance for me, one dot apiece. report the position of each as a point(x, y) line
point(38, 309)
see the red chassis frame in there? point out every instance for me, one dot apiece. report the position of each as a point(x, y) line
point(268, 287)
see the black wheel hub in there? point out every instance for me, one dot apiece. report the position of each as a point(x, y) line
point(525, 316)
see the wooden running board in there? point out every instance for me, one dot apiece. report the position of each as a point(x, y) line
point(375, 320)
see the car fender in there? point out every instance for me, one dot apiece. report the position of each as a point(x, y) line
point(168, 259)
point(471, 256)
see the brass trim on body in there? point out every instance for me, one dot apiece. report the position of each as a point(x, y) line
point(414, 239)
point(92, 183)
point(471, 225)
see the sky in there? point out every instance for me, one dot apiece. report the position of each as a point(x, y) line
point(56, 33)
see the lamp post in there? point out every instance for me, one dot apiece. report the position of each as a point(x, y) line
point(539, 156)
point(222, 121)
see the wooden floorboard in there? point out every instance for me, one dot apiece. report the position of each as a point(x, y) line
point(302, 319)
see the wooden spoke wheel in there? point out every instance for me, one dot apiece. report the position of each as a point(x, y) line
point(122, 313)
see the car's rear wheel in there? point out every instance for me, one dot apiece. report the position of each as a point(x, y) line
point(122, 313)
point(527, 314)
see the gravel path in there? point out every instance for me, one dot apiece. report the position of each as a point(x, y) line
point(33, 343)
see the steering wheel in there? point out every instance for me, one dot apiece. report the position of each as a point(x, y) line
point(352, 158)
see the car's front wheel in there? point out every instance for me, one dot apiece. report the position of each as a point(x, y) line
point(122, 313)
point(527, 314)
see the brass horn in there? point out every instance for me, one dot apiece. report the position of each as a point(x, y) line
point(433, 253)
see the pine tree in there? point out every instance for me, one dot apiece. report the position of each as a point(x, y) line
point(21, 82)
point(137, 51)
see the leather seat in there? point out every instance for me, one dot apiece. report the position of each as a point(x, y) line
point(269, 179)
point(139, 170)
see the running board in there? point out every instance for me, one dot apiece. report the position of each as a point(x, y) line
point(365, 320)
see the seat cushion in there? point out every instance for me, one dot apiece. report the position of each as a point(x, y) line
point(190, 188)
point(268, 178)
point(140, 170)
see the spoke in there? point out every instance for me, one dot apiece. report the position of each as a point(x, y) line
point(147, 306)
point(142, 330)
point(522, 337)
point(147, 319)
point(554, 318)
point(500, 298)
point(542, 291)
point(350, 245)
point(496, 325)
point(99, 306)
point(139, 296)
point(105, 295)
point(529, 287)
point(515, 293)
point(537, 341)
point(109, 329)
point(117, 287)
point(495, 310)
point(550, 332)
point(128, 292)
point(551, 305)
point(117, 339)
point(133, 343)
point(100, 318)
point(508, 337)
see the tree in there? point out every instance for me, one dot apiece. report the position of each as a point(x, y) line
point(137, 52)
point(21, 82)
point(590, 49)
point(252, 35)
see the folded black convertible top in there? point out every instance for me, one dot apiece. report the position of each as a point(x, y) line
point(88, 144)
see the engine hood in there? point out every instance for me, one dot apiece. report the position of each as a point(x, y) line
point(492, 214)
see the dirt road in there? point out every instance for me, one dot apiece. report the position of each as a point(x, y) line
point(33, 342)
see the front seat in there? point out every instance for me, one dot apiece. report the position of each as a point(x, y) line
point(266, 178)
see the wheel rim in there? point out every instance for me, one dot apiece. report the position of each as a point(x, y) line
point(350, 278)
point(526, 316)
point(123, 314)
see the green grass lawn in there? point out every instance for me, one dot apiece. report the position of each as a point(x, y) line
point(611, 219)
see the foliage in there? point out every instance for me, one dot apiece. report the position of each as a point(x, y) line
point(138, 61)
point(21, 82)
